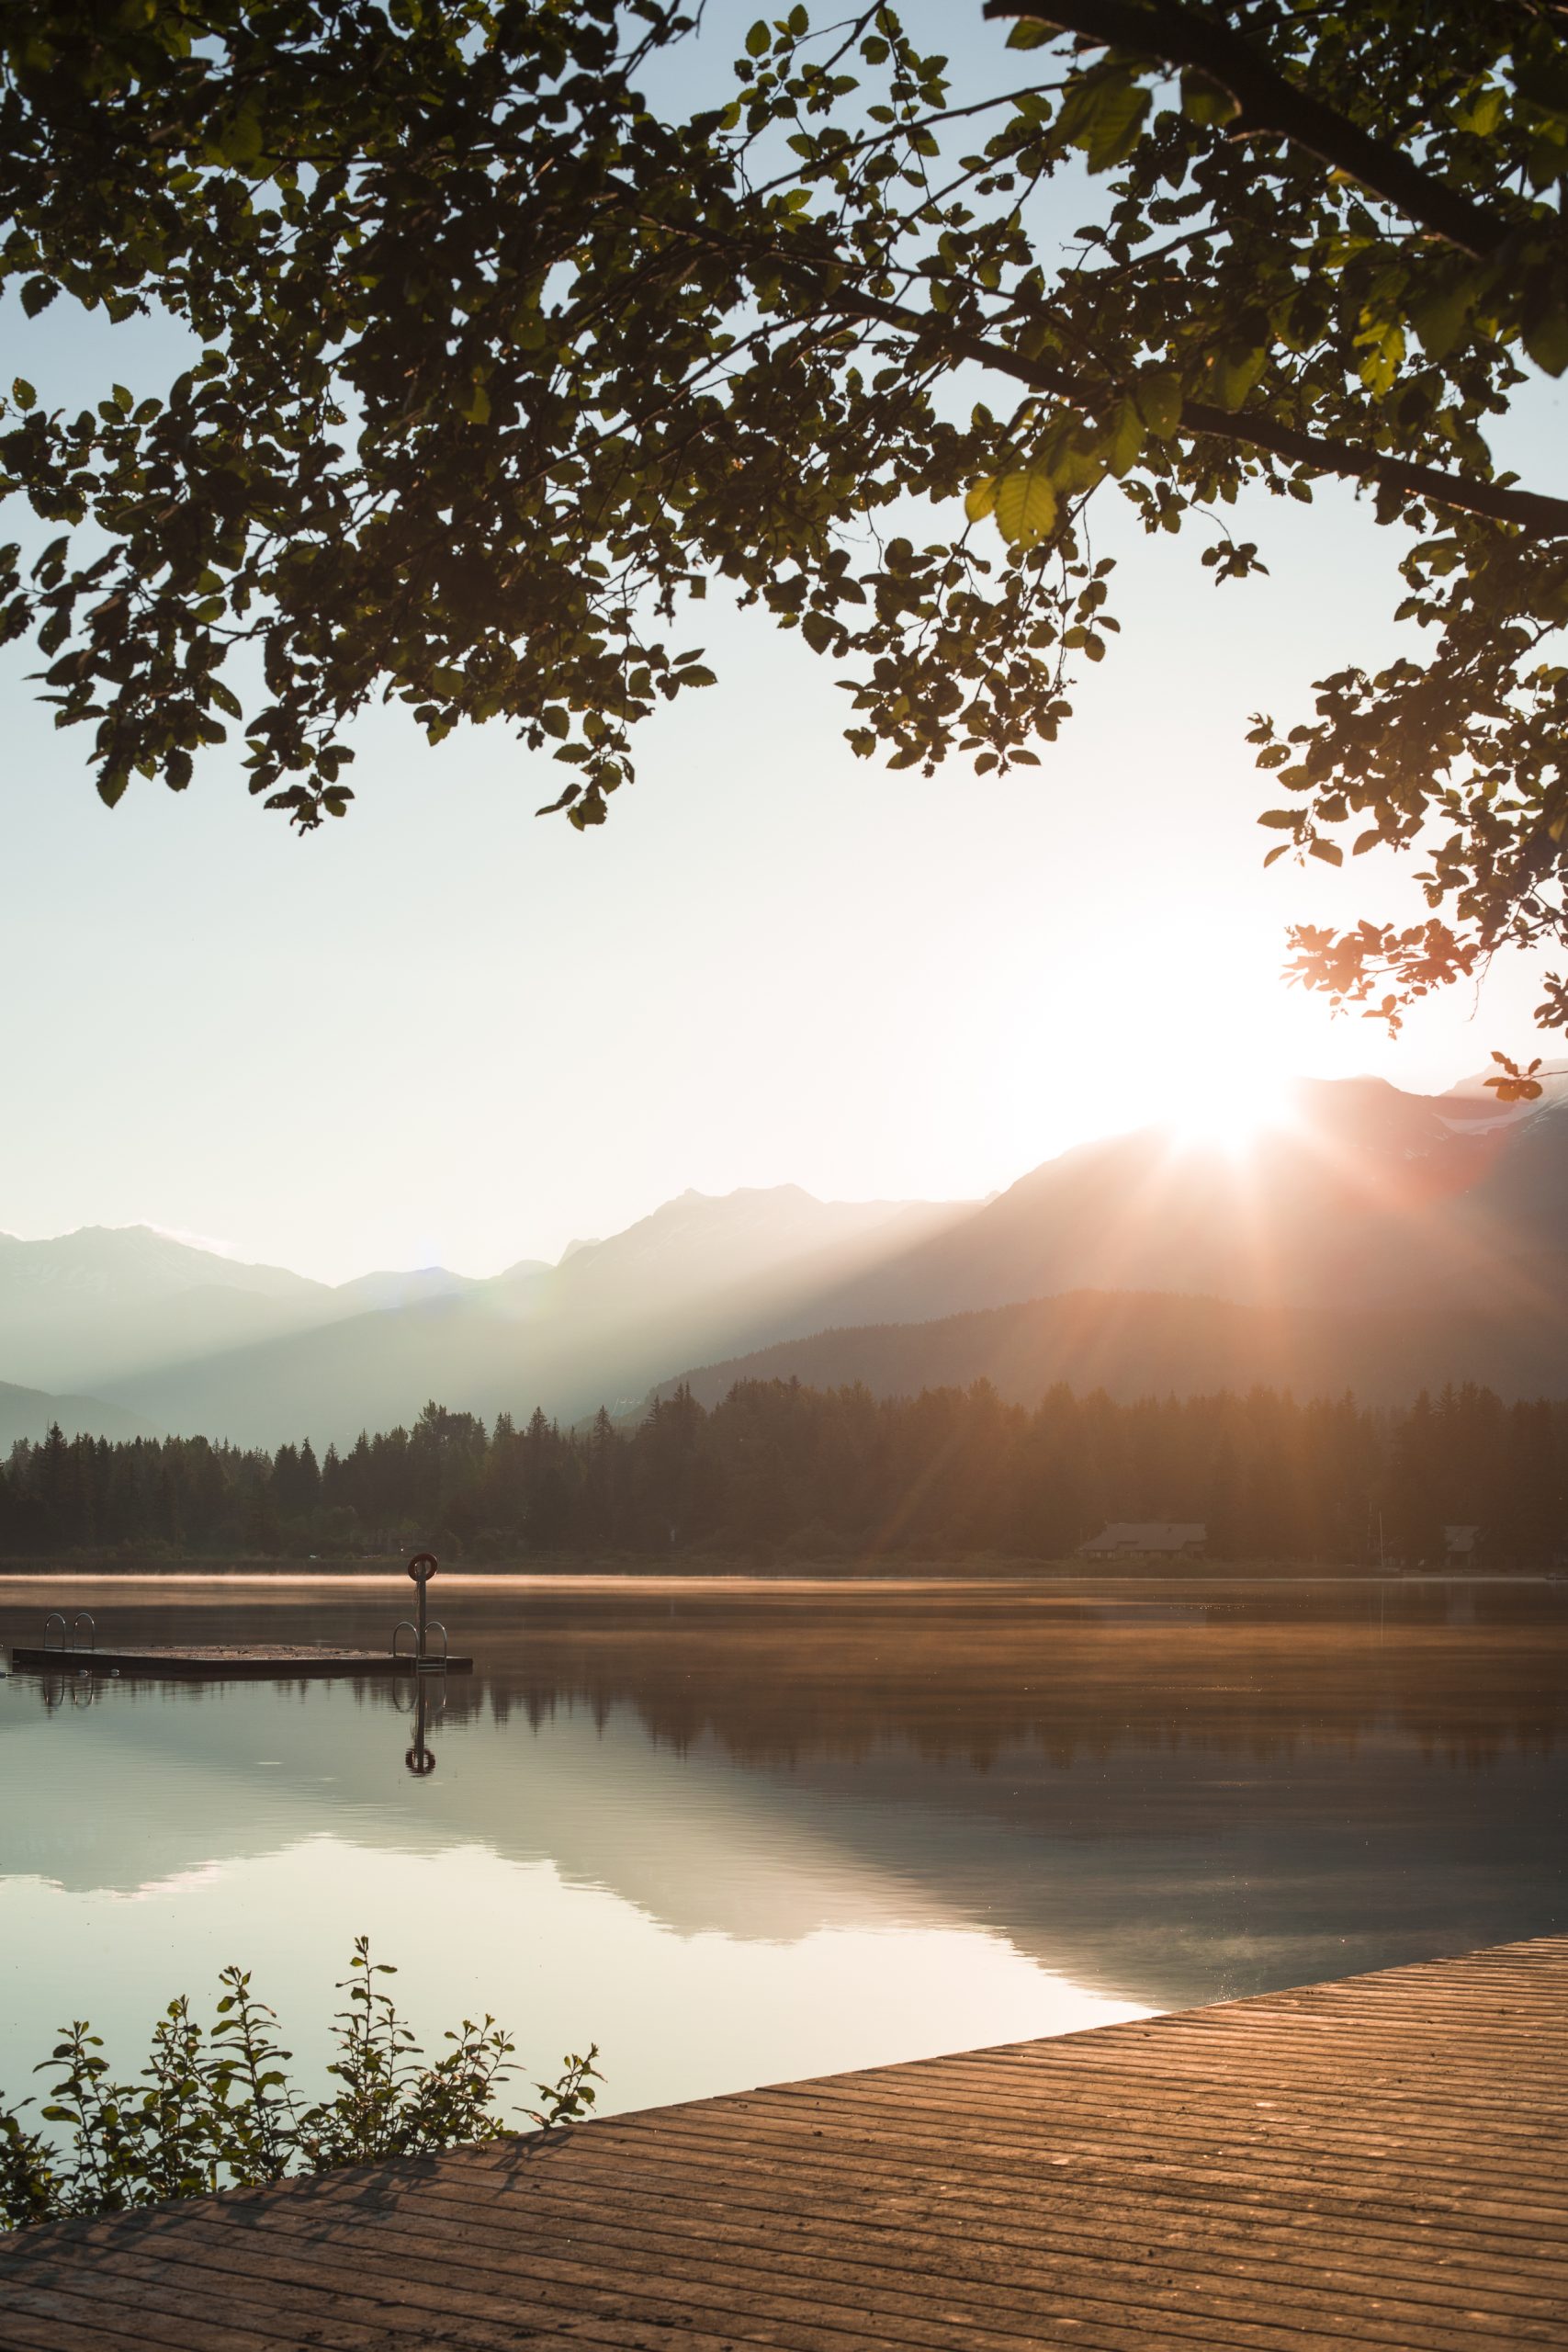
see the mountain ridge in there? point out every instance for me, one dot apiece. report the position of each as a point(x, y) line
point(27, 1415)
point(1443, 1217)
point(696, 1275)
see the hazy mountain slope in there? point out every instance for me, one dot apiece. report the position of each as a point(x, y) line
point(102, 1266)
point(1445, 1211)
point(132, 1340)
point(89, 1305)
point(29, 1413)
point(367, 1293)
point(698, 1277)
point(1137, 1343)
point(1371, 1198)
point(108, 1303)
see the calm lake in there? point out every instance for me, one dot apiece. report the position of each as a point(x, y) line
point(739, 1832)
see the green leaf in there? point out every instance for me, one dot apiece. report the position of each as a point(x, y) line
point(980, 498)
point(1438, 316)
point(1235, 375)
point(758, 40)
point(23, 393)
point(1125, 438)
point(1158, 396)
point(1025, 508)
point(1330, 852)
point(240, 141)
point(1546, 161)
point(1542, 80)
point(1546, 339)
point(1104, 117)
point(1206, 102)
point(1484, 111)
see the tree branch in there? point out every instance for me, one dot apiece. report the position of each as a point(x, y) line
point(1270, 104)
point(1530, 510)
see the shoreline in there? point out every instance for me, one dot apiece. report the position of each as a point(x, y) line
point(805, 1580)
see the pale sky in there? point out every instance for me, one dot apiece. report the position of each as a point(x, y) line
point(443, 1030)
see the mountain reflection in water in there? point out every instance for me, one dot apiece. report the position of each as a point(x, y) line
point(741, 1832)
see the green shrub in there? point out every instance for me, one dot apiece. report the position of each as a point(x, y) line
point(214, 2107)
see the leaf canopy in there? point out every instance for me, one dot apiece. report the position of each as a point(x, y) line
point(496, 364)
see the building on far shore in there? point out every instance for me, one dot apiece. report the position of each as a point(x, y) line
point(1460, 1544)
point(1147, 1539)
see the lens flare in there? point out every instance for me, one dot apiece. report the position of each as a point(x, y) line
point(1229, 1111)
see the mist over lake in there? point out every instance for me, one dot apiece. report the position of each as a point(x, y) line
point(743, 1831)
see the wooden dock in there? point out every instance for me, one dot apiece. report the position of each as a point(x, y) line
point(220, 1662)
point(1377, 2163)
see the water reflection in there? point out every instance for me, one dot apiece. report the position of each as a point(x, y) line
point(61, 1690)
point(427, 1701)
point(737, 1833)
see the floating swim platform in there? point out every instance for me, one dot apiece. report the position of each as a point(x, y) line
point(209, 1662)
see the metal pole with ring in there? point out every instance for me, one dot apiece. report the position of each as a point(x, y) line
point(421, 1567)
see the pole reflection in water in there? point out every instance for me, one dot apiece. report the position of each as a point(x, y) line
point(420, 1758)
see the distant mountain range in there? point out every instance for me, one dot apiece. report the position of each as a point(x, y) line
point(1377, 1240)
point(192, 1341)
point(1367, 1197)
point(108, 1303)
point(32, 1413)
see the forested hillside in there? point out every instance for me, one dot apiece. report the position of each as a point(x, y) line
point(778, 1472)
point(1154, 1343)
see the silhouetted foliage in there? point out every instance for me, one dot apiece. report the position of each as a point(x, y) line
point(493, 360)
point(779, 1471)
point(214, 2107)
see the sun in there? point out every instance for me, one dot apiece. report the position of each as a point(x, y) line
point(1227, 1109)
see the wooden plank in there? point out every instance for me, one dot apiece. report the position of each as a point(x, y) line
point(91, 2304)
point(922, 2219)
point(1374, 2165)
point(1099, 2225)
point(1129, 2268)
point(1190, 2158)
